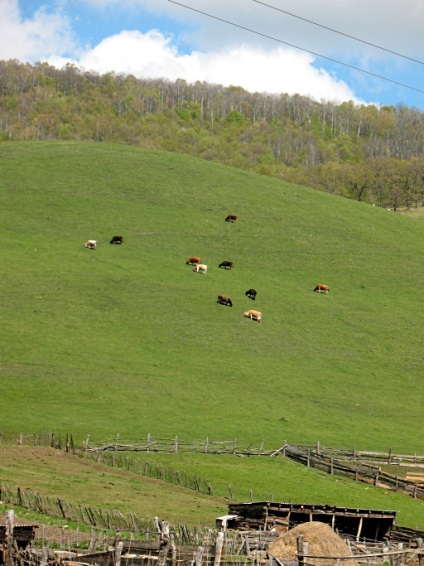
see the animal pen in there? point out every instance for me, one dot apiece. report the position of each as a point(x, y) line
point(250, 538)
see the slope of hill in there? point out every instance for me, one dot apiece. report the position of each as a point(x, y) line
point(81, 482)
point(127, 339)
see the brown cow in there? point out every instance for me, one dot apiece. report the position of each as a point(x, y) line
point(253, 315)
point(193, 260)
point(231, 218)
point(320, 287)
point(224, 300)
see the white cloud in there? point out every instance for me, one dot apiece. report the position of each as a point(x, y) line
point(32, 39)
point(151, 55)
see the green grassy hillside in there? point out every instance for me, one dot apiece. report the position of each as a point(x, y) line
point(84, 482)
point(126, 339)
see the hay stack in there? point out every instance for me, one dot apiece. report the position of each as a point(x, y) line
point(322, 541)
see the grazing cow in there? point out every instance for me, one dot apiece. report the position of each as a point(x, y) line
point(231, 218)
point(323, 288)
point(91, 244)
point(117, 240)
point(200, 268)
point(253, 315)
point(226, 265)
point(193, 260)
point(224, 300)
point(251, 293)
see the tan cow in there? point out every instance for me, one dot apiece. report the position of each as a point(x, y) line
point(91, 244)
point(253, 315)
point(200, 268)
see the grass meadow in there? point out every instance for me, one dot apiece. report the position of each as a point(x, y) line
point(126, 339)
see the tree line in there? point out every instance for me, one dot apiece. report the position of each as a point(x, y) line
point(363, 152)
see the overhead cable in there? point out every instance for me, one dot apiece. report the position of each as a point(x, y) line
point(340, 32)
point(300, 48)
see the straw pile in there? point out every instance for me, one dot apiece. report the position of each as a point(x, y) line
point(322, 541)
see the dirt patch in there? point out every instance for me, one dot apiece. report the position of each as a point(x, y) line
point(323, 543)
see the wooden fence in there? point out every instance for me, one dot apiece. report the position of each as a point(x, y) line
point(356, 470)
point(156, 471)
point(357, 465)
point(98, 518)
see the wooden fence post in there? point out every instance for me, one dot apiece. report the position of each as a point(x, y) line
point(176, 445)
point(300, 550)
point(199, 555)
point(9, 537)
point(118, 552)
point(206, 445)
point(218, 548)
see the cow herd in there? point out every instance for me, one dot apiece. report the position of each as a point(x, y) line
point(199, 267)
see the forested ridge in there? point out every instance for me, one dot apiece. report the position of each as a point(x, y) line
point(368, 153)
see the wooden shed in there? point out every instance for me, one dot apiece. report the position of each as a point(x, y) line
point(14, 531)
point(368, 524)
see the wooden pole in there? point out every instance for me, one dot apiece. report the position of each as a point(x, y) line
point(10, 516)
point(218, 548)
point(118, 553)
point(199, 555)
point(358, 532)
point(300, 550)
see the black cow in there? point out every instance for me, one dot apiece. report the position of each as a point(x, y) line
point(231, 218)
point(224, 300)
point(117, 240)
point(226, 264)
point(251, 293)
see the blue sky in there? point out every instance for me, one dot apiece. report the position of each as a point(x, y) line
point(160, 38)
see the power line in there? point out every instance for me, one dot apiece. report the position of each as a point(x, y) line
point(300, 48)
point(340, 32)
